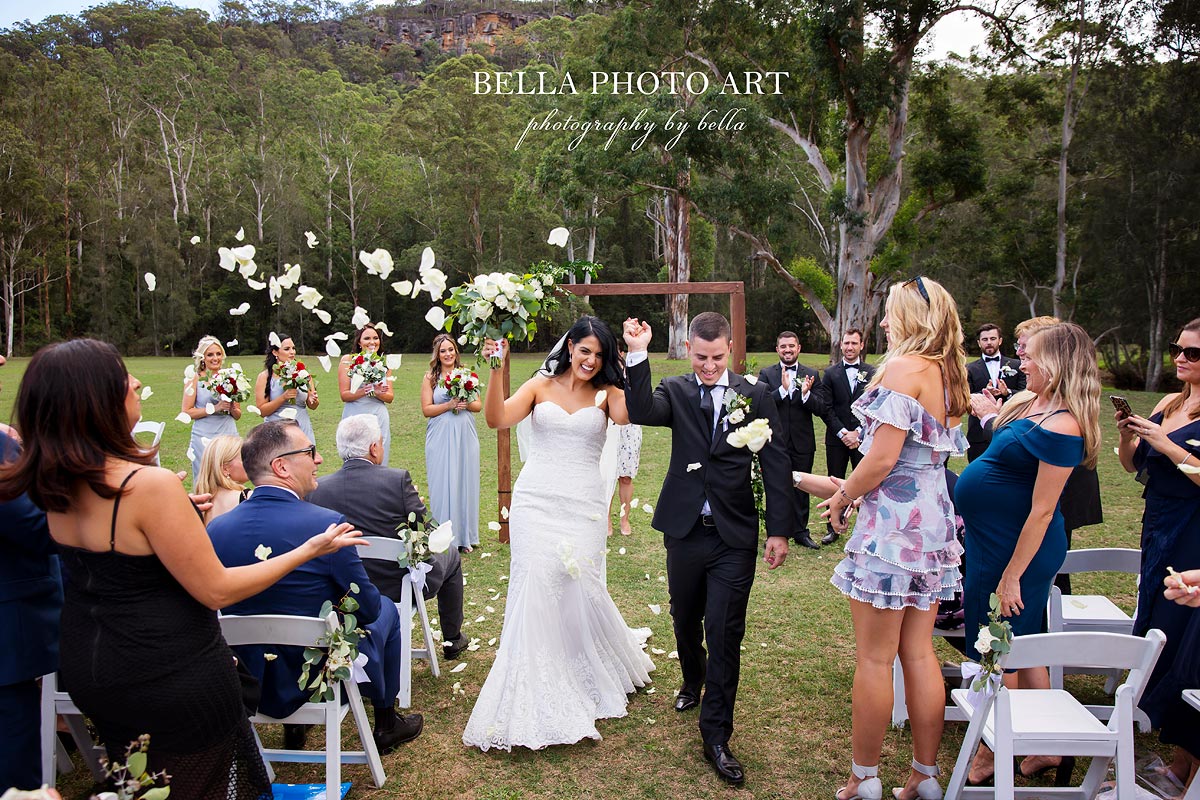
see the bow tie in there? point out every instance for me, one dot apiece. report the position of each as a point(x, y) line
point(991, 359)
point(849, 366)
point(792, 368)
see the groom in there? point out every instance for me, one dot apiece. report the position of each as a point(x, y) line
point(706, 513)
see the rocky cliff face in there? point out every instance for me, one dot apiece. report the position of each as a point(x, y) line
point(453, 31)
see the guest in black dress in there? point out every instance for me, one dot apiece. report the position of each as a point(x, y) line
point(1161, 450)
point(141, 648)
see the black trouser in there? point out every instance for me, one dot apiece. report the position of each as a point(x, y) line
point(976, 449)
point(801, 462)
point(449, 592)
point(710, 582)
point(20, 736)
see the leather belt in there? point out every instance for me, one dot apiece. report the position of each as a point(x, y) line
point(707, 521)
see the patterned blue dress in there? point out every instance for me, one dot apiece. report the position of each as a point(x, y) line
point(994, 496)
point(904, 551)
point(452, 465)
point(300, 404)
point(207, 428)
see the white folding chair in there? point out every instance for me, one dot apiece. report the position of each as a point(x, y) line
point(155, 429)
point(899, 697)
point(287, 631)
point(1017, 722)
point(1192, 698)
point(54, 755)
point(1093, 612)
point(387, 549)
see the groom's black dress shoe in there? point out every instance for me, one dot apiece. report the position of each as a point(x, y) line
point(687, 699)
point(806, 541)
point(830, 537)
point(728, 768)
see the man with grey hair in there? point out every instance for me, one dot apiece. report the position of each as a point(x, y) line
point(376, 499)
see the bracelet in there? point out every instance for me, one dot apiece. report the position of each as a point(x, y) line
point(842, 492)
point(1185, 460)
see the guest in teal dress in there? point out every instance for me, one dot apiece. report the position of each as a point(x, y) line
point(1155, 448)
point(1008, 499)
point(903, 557)
point(370, 398)
point(273, 401)
point(451, 447)
point(210, 418)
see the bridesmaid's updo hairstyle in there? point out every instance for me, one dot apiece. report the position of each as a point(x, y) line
point(358, 334)
point(435, 363)
point(923, 321)
point(612, 365)
point(71, 413)
point(1066, 356)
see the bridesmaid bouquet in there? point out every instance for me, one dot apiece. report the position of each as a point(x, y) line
point(498, 306)
point(292, 375)
point(229, 384)
point(462, 384)
point(366, 368)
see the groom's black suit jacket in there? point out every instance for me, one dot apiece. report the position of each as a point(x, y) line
point(724, 473)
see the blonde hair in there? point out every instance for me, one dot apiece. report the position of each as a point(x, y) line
point(435, 363)
point(211, 477)
point(1066, 356)
point(927, 325)
point(205, 343)
point(1181, 398)
point(1031, 326)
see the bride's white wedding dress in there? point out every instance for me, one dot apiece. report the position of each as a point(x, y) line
point(566, 656)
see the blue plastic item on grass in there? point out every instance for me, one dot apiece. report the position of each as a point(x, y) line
point(304, 791)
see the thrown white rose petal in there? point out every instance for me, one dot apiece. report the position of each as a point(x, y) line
point(493, 526)
point(257, 286)
point(485, 555)
point(195, 240)
point(1188, 469)
point(262, 552)
point(210, 409)
point(273, 339)
point(240, 235)
point(492, 641)
point(240, 310)
point(673, 654)
point(1193, 442)
point(436, 316)
point(649, 509)
point(326, 364)
point(695, 465)
point(621, 551)
point(634, 503)
point(322, 315)
point(382, 327)
point(559, 237)
point(481, 619)
point(403, 288)
point(232, 343)
point(656, 608)
point(360, 318)
point(504, 512)
point(601, 396)
point(288, 413)
point(147, 392)
point(658, 651)
point(183, 417)
point(311, 238)
point(332, 349)
point(254, 410)
point(750, 379)
point(460, 667)
point(489, 609)
point(151, 281)
point(269, 656)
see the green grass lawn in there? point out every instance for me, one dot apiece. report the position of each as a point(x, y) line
point(793, 712)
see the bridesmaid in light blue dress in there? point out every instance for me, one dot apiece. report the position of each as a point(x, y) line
point(369, 398)
point(273, 401)
point(209, 357)
point(451, 447)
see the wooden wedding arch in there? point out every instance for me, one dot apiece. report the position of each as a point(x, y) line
point(737, 321)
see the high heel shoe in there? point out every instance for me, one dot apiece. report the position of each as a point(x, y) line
point(1062, 771)
point(928, 789)
point(869, 787)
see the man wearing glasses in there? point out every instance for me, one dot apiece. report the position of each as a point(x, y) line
point(282, 463)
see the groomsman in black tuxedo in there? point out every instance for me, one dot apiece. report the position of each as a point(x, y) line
point(792, 385)
point(707, 516)
point(994, 375)
point(843, 383)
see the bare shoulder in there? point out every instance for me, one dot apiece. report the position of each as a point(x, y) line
point(907, 375)
point(1065, 424)
point(1163, 403)
point(154, 479)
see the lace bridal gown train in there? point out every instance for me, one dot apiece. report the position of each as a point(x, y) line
point(566, 656)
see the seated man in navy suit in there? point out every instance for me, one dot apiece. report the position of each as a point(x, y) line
point(282, 464)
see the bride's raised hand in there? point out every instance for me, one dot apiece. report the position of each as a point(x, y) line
point(495, 349)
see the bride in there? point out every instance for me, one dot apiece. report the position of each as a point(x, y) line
point(566, 657)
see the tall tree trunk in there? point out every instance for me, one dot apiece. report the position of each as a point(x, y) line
point(1156, 289)
point(677, 209)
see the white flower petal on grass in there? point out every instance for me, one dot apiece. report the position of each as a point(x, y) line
point(489, 609)
point(656, 608)
point(481, 618)
point(403, 288)
point(436, 316)
point(649, 509)
point(493, 526)
point(634, 503)
point(240, 310)
point(151, 281)
point(460, 667)
point(621, 551)
point(288, 413)
point(383, 328)
point(255, 410)
point(492, 641)
point(651, 690)
point(658, 651)
point(695, 465)
point(326, 364)
point(674, 654)
point(311, 238)
point(183, 417)
point(559, 237)
point(360, 318)
point(147, 392)
point(195, 240)
point(324, 316)
point(262, 552)
point(393, 360)
point(232, 343)
point(1117, 451)
point(240, 235)
point(485, 555)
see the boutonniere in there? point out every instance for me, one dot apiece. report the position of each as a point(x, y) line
point(862, 379)
point(736, 407)
point(1007, 371)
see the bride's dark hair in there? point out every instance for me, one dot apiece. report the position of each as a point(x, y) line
point(612, 365)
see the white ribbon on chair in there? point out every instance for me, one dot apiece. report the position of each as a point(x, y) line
point(971, 671)
point(358, 673)
point(416, 574)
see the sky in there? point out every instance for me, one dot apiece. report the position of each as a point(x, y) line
point(957, 33)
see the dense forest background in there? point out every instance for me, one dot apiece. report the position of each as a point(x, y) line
point(1056, 174)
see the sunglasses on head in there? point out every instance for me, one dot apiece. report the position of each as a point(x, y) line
point(920, 282)
point(1192, 354)
point(311, 451)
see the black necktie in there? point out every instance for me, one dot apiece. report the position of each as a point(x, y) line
point(706, 405)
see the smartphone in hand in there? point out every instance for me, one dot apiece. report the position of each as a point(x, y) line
point(1121, 405)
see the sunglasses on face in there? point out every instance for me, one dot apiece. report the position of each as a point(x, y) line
point(311, 451)
point(1192, 354)
point(920, 282)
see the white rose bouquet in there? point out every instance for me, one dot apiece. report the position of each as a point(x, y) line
point(367, 369)
point(499, 306)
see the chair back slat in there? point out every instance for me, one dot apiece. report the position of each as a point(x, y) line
point(1102, 559)
point(381, 548)
point(1097, 650)
point(277, 629)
